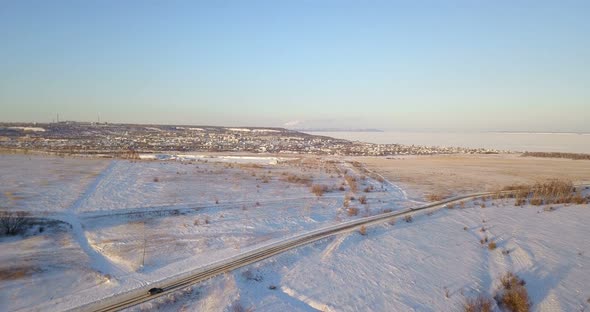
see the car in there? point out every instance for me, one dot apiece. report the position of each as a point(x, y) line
point(155, 290)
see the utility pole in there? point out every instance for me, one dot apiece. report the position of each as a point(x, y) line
point(144, 242)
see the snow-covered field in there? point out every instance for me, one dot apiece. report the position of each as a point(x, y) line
point(431, 264)
point(36, 183)
point(114, 225)
point(102, 227)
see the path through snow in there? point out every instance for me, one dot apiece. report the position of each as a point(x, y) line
point(98, 261)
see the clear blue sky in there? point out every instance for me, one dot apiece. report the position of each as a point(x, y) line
point(478, 65)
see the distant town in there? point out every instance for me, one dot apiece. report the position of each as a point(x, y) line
point(112, 140)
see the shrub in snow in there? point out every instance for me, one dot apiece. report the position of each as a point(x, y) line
point(513, 295)
point(363, 230)
point(319, 189)
point(363, 199)
point(12, 223)
point(492, 246)
point(480, 303)
point(352, 211)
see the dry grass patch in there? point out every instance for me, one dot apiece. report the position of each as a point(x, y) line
point(13, 223)
point(492, 246)
point(293, 178)
point(576, 156)
point(351, 181)
point(480, 303)
point(15, 273)
point(363, 230)
point(435, 197)
point(363, 200)
point(513, 295)
point(319, 189)
point(352, 211)
point(542, 193)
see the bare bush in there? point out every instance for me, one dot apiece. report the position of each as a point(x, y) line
point(536, 201)
point(492, 245)
point(352, 211)
point(513, 296)
point(363, 200)
point(435, 197)
point(292, 178)
point(13, 223)
point(319, 189)
point(579, 200)
point(363, 230)
point(480, 303)
point(156, 179)
point(408, 218)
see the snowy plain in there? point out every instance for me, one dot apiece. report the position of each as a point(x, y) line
point(125, 224)
point(110, 225)
point(431, 264)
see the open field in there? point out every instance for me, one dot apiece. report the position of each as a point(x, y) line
point(108, 226)
point(130, 223)
point(460, 174)
point(404, 267)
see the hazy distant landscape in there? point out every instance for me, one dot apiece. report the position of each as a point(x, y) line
point(505, 141)
point(294, 156)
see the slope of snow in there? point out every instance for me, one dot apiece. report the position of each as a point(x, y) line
point(431, 264)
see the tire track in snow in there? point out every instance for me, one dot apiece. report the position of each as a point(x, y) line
point(315, 305)
point(333, 245)
point(91, 188)
point(97, 260)
point(392, 187)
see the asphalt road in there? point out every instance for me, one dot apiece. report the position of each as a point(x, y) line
point(137, 296)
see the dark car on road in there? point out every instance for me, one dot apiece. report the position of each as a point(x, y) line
point(155, 290)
